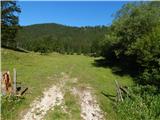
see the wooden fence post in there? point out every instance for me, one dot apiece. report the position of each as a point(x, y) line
point(119, 93)
point(14, 79)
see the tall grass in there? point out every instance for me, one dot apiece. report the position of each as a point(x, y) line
point(143, 105)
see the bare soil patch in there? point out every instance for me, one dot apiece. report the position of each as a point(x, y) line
point(90, 109)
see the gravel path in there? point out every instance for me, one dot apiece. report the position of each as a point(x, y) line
point(90, 109)
point(51, 97)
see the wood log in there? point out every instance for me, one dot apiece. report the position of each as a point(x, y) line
point(119, 93)
point(24, 91)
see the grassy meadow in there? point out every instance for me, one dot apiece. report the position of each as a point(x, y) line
point(37, 72)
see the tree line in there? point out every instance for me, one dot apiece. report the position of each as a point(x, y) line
point(53, 37)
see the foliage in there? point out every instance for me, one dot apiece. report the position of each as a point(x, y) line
point(134, 40)
point(9, 104)
point(61, 38)
point(9, 23)
point(42, 45)
point(133, 43)
point(144, 104)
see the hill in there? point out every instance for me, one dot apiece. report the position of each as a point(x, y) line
point(60, 38)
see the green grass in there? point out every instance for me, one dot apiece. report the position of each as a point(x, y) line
point(57, 114)
point(71, 107)
point(38, 72)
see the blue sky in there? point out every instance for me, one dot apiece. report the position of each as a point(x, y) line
point(72, 13)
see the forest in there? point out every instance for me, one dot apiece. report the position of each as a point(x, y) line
point(53, 37)
point(129, 46)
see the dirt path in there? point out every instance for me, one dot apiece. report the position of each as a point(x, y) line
point(51, 97)
point(90, 109)
point(54, 96)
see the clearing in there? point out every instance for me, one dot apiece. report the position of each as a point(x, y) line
point(61, 87)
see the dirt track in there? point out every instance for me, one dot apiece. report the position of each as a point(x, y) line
point(53, 96)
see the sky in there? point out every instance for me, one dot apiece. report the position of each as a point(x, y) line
point(71, 13)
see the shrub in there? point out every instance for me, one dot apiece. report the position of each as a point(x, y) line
point(143, 105)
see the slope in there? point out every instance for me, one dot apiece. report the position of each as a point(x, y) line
point(60, 38)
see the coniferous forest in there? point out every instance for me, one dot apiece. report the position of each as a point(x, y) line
point(60, 38)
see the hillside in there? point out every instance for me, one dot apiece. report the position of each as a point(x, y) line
point(60, 38)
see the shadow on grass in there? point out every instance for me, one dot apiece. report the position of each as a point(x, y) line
point(16, 49)
point(122, 68)
point(110, 97)
point(117, 68)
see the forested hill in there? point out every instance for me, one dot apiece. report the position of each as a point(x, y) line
point(60, 38)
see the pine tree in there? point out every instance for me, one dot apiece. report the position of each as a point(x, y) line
point(9, 23)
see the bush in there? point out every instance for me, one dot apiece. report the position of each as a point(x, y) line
point(143, 105)
point(134, 41)
point(10, 105)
